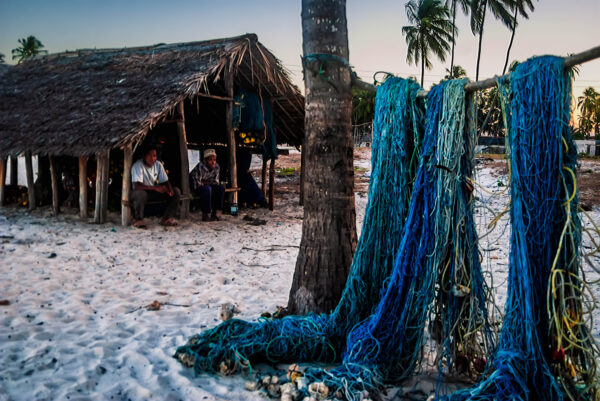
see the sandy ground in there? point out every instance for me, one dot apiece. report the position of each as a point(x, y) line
point(78, 327)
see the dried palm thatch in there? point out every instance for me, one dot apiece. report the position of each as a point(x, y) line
point(82, 102)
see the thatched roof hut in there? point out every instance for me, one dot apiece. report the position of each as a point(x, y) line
point(82, 102)
point(88, 102)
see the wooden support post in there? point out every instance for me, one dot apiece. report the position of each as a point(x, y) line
point(55, 187)
point(14, 171)
point(185, 164)
point(83, 188)
point(3, 165)
point(271, 183)
point(102, 161)
point(126, 187)
point(263, 184)
point(30, 183)
point(231, 135)
point(302, 174)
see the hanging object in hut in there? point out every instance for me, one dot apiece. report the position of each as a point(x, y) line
point(253, 122)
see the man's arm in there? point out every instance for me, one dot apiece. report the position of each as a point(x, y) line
point(160, 188)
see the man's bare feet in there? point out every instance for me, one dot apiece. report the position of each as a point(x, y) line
point(168, 222)
point(141, 224)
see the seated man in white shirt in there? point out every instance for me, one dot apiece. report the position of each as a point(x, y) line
point(150, 183)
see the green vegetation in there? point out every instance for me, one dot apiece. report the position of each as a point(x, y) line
point(589, 119)
point(363, 106)
point(456, 72)
point(29, 47)
point(286, 171)
point(430, 32)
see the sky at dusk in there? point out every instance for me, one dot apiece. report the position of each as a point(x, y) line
point(376, 43)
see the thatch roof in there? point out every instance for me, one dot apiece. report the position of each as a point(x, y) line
point(81, 102)
point(3, 68)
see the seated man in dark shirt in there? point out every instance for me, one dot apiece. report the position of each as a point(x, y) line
point(204, 180)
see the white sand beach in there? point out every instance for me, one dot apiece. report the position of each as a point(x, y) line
point(77, 326)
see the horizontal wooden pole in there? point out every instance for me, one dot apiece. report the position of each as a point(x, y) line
point(573, 60)
point(225, 98)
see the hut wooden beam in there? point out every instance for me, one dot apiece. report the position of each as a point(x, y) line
point(30, 183)
point(55, 187)
point(83, 188)
point(185, 164)
point(14, 171)
point(206, 95)
point(228, 79)
point(102, 162)
point(263, 184)
point(272, 184)
point(126, 185)
point(3, 165)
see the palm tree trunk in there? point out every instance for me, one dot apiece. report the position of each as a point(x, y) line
point(512, 37)
point(484, 5)
point(453, 37)
point(422, 67)
point(329, 227)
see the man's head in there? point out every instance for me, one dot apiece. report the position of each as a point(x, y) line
point(149, 156)
point(209, 157)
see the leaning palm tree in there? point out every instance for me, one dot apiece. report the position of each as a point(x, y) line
point(451, 4)
point(430, 32)
point(30, 47)
point(519, 7)
point(499, 8)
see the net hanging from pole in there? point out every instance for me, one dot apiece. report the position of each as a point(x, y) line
point(235, 344)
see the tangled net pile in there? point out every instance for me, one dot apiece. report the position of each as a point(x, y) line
point(236, 344)
point(546, 351)
point(417, 261)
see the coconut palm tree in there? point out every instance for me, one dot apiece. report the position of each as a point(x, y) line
point(499, 8)
point(456, 72)
point(589, 106)
point(519, 7)
point(430, 32)
point(329, 225)
point(30, 47)
point(451, 5)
